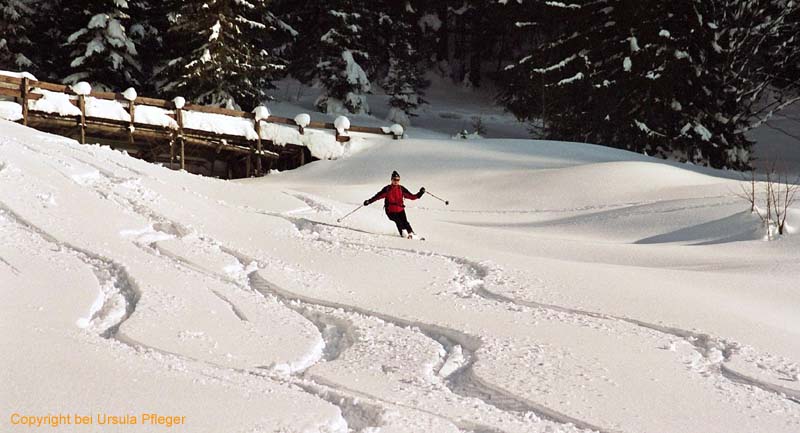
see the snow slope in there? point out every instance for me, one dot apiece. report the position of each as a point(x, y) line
point(567, 287)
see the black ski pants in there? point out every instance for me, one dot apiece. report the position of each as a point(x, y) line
point(401, 221)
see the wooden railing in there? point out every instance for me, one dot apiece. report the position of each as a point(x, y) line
point(21, 90)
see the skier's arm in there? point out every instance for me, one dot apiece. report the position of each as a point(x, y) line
point(379, 195)
point(407, 194)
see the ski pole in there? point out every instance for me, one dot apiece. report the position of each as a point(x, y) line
point(351, 212)
point(434, 196)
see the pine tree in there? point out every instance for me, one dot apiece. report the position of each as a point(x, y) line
point(683, 80)
point(16, 20)
point(221, 52)
point(97, 44)
point(331, 50)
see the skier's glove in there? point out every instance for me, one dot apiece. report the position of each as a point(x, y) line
point(421, 192)
point(366, 202)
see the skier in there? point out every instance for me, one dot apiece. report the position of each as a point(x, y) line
point(394, 194)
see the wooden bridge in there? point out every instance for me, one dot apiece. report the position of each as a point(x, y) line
point(176, 145)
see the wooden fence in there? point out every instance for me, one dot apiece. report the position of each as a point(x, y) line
point(195, 150)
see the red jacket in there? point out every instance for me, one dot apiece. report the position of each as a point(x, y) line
point(394, 195)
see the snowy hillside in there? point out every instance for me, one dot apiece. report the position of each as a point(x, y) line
point(566, 287)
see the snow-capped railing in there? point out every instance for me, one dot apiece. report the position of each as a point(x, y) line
point(143, 117)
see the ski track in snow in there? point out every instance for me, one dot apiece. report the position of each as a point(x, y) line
point(100, 267)
point(706, 345)
point(461, 381)
point(465, 383)
point(10, 266)
point(338, 334)
point(334, 332)
point(119, 293)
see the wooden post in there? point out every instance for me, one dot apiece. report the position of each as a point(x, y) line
point(131, 128)
point(179, 119)
point(24, 91)
point(249, 162)
point(82, 106)
point(172, 152)
point(258, 149)
point(302, 157)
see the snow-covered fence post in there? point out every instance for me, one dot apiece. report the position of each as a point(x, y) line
point(24, 92)
point(130, 96)
point(397, 131)
point(259, 113)
point(82, 107)
point(179, 103)
point(249, 162)
point(259, 147)
point(342, 124)
point(82, 89)
point(302, 120)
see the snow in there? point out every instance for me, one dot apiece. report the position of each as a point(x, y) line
point(342, 124)
point(179, 102)
point(106, 109)
point(54, 102)
point(702, 131)
point(557, 292)
point(130, 94)
point(27, 75)
point(215, 31)
point(116, 35)
point(280, 134)
point(634, 44)
point(82, 88)
point(261, 113)
point(98, 21)
point(562, 5)
point(220, 123)
point(555, 66)
point(302, 119)
point(626, 64)
point(323, 145)
point(579, 76)
point(154, 116)
point(395, 129)
point(10, 111)
point(206, 57)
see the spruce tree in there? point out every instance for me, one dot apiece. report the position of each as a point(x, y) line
point(331, 50)
point(16, 20)
point(149, 21)
point(683, 80)
point(221, 52)
point(404, 80)
point(98, 48)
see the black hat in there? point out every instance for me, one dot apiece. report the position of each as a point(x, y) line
point(395, 174)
